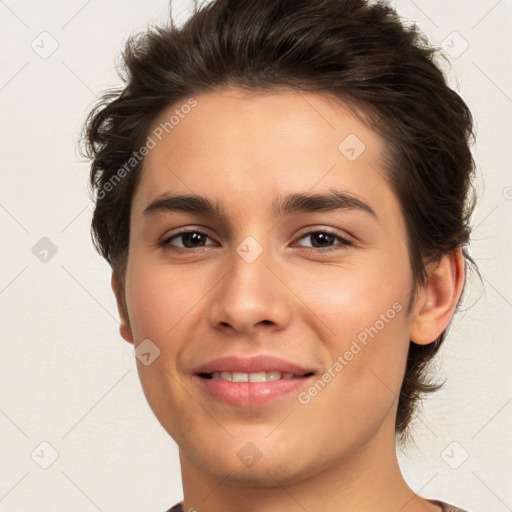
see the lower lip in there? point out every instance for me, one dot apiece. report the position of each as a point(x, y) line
point(252, 394)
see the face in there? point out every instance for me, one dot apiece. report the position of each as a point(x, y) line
point(324, 290)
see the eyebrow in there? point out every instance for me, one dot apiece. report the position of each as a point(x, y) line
point(293, 203)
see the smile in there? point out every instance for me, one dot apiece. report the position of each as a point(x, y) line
point(252, 390)
point(251, 377)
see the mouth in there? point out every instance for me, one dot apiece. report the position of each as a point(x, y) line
point(266, 376)
point(252, 390)
point(255, 380)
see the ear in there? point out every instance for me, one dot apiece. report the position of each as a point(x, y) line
point(124, 327)
point(436, 301)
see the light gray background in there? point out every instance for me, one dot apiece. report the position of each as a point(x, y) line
point(68, 378)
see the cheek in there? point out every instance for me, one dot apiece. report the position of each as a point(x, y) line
point(161, 307)
point(358, 297)
point(365, 311)
point(156, 299)
point(363, 381)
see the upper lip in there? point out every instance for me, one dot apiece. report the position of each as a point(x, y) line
point(251, 364)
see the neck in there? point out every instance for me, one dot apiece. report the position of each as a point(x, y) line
point(369, 479)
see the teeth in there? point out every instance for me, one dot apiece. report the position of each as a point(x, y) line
point(251, 377)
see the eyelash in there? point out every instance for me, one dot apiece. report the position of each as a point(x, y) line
point(165, 243)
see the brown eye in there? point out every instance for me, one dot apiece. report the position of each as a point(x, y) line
point(324, 239)
point(191, 239)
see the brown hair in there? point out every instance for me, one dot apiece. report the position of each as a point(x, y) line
point(356, 50)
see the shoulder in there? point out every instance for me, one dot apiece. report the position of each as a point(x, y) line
point(447, 507)
point(177, 508)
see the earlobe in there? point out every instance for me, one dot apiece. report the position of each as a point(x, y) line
point(437, 300)
point(124, 326)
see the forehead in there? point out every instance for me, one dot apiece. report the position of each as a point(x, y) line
point(233, 144)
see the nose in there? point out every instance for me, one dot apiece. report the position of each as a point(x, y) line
point(251, 295)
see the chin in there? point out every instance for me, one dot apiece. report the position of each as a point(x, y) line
point(246, 464)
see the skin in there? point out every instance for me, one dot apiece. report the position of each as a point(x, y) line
point(296, 301)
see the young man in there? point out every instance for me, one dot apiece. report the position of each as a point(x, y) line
point(282, 191)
